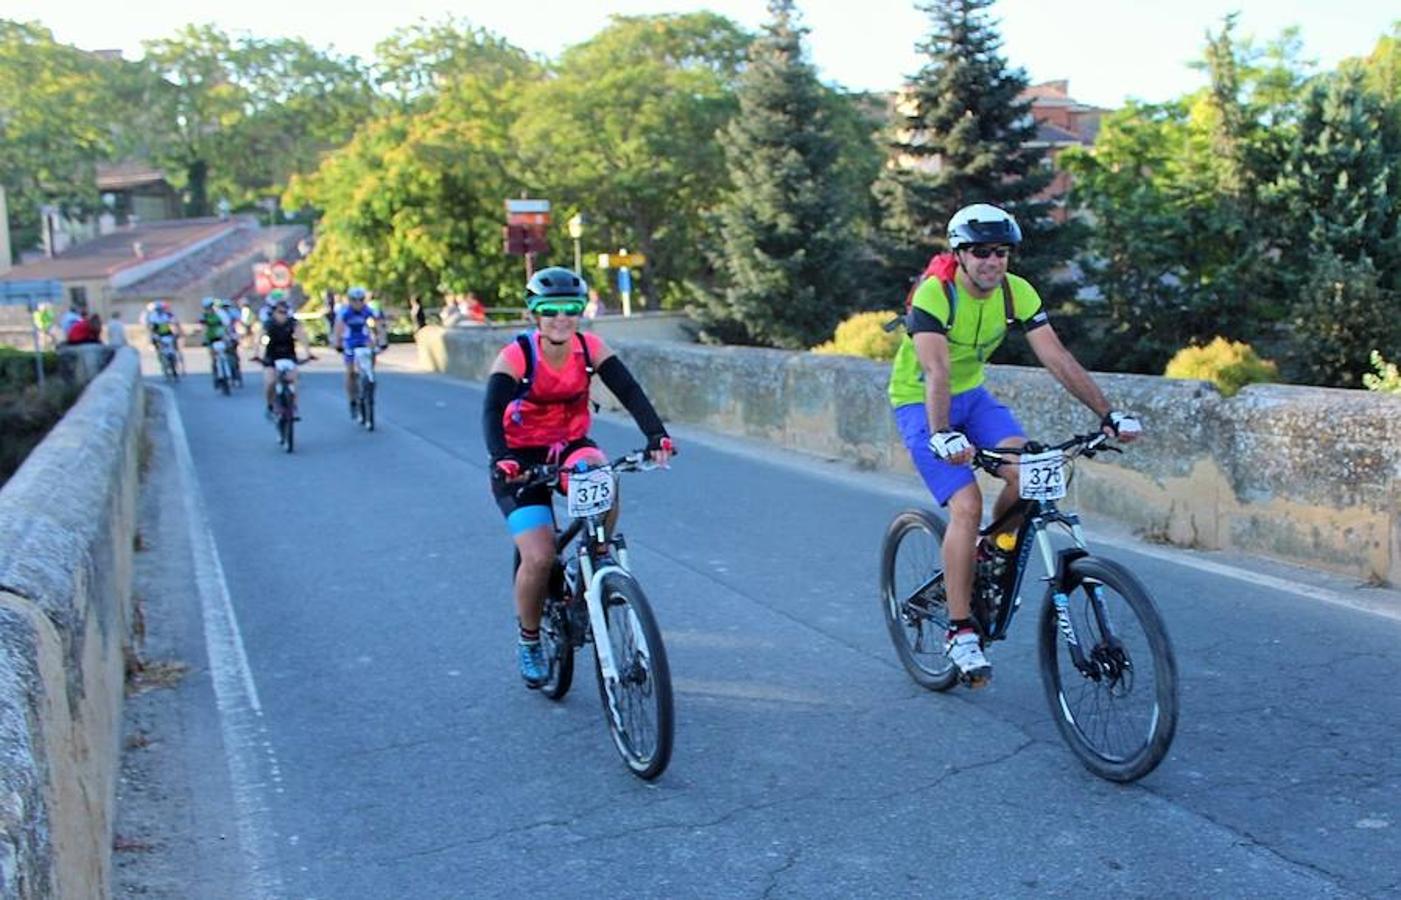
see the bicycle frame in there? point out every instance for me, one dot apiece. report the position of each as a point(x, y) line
point(593, 548)
point(1037, 518)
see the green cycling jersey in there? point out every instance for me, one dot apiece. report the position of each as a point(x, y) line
point(214, 327)
point(978, 328)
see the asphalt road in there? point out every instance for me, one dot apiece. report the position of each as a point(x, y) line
point(374, 739)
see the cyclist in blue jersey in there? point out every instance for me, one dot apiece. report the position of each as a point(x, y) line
point(357, 325)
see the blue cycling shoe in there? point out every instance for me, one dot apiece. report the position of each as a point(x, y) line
point(532, 664)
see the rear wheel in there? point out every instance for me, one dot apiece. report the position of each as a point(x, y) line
point(1119, 716)
point(913, 598)
point(638, 705)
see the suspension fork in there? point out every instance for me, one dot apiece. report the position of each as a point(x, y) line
point(1058, 569)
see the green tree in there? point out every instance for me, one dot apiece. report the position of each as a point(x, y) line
point(624, 130)
point(1340, 192)
point(961, 136)
point(414, 63)
point(55, 104)
point(412, 206)
point(239, 116)
point(788, 245)
point(1187, 230)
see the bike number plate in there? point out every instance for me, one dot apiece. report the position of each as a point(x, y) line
point(590, 493)
point(1043, 475)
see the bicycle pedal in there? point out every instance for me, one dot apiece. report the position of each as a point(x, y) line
point(975, 682)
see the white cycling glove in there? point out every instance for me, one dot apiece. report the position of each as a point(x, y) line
point(945, 444)
point(1122, 423)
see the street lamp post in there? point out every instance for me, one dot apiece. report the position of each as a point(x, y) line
point(576, 231)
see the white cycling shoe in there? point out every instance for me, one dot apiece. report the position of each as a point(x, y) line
point(965, 651)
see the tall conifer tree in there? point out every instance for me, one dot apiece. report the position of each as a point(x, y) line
point(786, 237)
point(960, 136)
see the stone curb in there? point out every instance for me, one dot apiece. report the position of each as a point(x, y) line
point(67, 521)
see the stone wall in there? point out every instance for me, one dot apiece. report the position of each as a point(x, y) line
point(1309, 475)
point(67, 527)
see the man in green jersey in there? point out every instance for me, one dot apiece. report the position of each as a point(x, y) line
point(957, 318)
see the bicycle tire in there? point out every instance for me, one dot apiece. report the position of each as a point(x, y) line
point(914, 633)
point(646, 671)
point(288, 430)
point(368, 405)
point(1161, 722)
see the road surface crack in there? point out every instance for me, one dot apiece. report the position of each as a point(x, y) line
point(776, 874)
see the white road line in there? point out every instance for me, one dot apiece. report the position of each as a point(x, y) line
point(240, 712)
point(1359, 602)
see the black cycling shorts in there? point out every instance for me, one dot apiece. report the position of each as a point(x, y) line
point(540, 494)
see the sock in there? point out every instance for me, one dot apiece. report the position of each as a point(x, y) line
point(530, 635)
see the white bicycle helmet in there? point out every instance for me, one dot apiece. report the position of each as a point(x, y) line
point(983, 223)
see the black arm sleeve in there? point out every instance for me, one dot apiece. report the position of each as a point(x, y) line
point(620, 381)
point(499, 389)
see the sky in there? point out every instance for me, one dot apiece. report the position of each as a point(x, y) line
point(1110, 50)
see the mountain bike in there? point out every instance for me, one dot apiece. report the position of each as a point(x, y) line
point(169, 358)
point(593, 596)
point(365, 385)
point(284, 402)
point(223, 374)
point(1106, 661)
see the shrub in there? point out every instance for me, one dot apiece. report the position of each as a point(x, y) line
point(1388, 377)
point(17, 367)
point(864, 334)
point(1230, 365)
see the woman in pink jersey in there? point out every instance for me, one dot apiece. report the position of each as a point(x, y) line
point(537, 411)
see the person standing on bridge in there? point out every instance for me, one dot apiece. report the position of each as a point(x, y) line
point(537, 411)
point(957, 316)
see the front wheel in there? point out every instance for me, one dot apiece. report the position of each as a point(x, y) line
point(1117, 709)
point(638, 705)
point(367, 405)
point(913, 598)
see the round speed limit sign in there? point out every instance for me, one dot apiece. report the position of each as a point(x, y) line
point(280, 274)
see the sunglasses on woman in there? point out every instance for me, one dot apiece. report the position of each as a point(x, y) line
point(983, 251)
point(550, 310)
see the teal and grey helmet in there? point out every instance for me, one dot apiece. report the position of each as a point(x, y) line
point(556, 284)
point(983, 223)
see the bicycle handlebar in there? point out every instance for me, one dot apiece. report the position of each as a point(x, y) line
point(544, 473)
point(1086, 445)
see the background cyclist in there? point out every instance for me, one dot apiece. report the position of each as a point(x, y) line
point(357, 325)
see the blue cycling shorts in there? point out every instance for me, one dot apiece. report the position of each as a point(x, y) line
point(977, 414)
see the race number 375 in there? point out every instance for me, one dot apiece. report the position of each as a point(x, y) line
point(1043, 475)
point(590, 493)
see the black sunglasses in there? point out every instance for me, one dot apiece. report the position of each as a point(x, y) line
point(983, 251)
